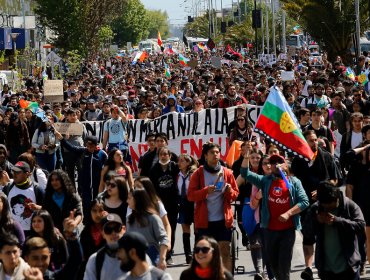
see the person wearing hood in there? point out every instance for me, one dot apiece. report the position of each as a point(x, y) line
point(172, 106)
point(232, 98)
point(91, 164)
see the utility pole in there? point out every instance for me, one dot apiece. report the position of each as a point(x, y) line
point(239, 13)
point(256, 29)
point(283, 15)
point(357, 11)
point(262, 33)
point(273, 27)
point(267, 29)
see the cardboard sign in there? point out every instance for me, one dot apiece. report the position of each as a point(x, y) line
point(266, 59)
point(193, 63)
point(216, 62)
point(69, 128)
point(287, 75)
point(53, 91)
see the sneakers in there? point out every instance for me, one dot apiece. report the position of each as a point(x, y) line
point(307, 274)
point(170, 261)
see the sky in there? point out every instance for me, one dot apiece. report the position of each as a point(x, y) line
point(179, 10)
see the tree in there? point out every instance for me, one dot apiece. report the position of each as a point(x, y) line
point(158, 21)
point(199, 27)
point(131, 25)
point(74, 22)
point(330, 22)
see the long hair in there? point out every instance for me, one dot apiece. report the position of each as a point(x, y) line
point(149, 187)
point(260, 169)
point(6, 220)
point(193, 163)
point(67, 186)
point(88, 221)
point(122, 188)
point(49, 234)
point(110, 161)
point(216, 263)
point(143, 207)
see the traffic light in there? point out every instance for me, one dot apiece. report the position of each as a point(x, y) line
point(256, 19)
point(223, 26)
point(190, 19)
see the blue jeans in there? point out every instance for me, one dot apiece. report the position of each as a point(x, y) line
point(153, 254)
point(46, 161)
point(279, 249)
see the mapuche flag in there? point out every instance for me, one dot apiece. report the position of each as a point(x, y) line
point(278, 123)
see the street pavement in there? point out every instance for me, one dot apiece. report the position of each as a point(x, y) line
point(244, 260)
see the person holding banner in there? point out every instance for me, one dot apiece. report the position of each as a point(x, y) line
point(213, 188)
point(283, 198)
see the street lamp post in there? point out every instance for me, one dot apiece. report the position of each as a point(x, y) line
point(14, 39)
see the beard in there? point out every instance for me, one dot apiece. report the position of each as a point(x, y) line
point(127, 266)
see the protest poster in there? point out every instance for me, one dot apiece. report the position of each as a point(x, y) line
point(187, 132)
point(266, 59)
point(287, 75)
point(53, 91)
point(69, 128)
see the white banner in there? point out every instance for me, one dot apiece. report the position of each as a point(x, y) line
point(187, 132)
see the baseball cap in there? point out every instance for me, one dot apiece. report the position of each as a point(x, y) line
point(21, 166)
point(133, 240)
point(111, 218)
point(277, 159)
point(90, 101)
point(188, 99)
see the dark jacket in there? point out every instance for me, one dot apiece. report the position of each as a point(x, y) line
point(350, 223)
point(89, 173)
point(72, 265)
point(146, 162)
point(69, 204)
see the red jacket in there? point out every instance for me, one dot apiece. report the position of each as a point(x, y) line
point(198, 193)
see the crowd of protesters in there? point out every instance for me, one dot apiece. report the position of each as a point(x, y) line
point(72, 208)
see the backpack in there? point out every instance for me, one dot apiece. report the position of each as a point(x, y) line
point(100, 255)
point(34, 174)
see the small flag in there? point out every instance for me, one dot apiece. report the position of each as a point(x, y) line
point(278, 123)
point(143, 56)
point(350, 74)
point(137, 56)
point(363, 78)
point(160, 43)
point(167, 72)
point(183, 60)
point(297, 29)
point(202, 47)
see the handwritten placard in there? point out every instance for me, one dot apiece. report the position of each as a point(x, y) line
point(69, 128)
point(53, 91)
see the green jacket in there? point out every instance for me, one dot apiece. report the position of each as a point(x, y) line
point(297, 195)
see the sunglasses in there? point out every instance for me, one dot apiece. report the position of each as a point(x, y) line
point(112, 185)
point(115, 227)
point(204, 250)
point(276, 162)
point(240, 120)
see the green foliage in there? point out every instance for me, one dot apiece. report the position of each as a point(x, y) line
point(105, 34)
point(73, 61)
point(330, 22)
point(199, 27)
point(158, 21)
point(131, 25)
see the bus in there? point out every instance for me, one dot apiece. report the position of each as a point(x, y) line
point(193, 41)
point(296, 41)
point(147, 46)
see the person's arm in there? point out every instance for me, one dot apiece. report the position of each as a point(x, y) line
point(248, 175)
point(361, 149)
point(349, 191)
point(105, 139)
point(122, 115)
point(167, 227)
point(355, 223)
point(195, 192)
point(102, 175)
point(163, 241)
point(69, 146)
point(130, 178)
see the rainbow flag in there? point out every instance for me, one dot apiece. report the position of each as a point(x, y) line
point(350, 74)
point(183, 60)
point(202, 47)
point(278, 123)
